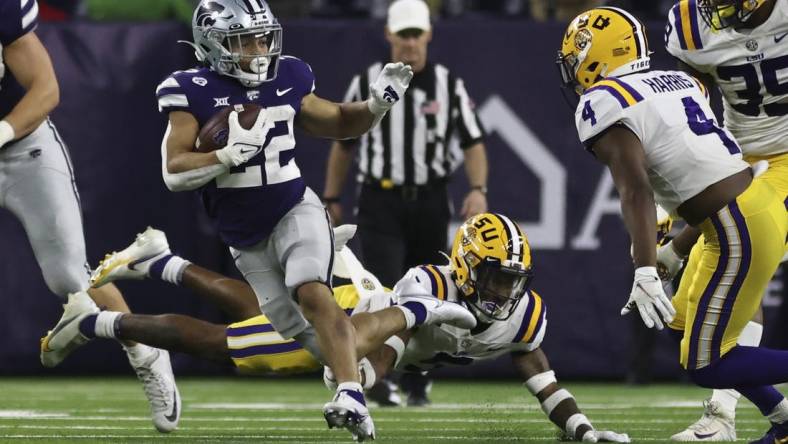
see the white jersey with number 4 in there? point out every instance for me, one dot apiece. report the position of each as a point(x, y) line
point(440, 345)
point(686, 151)
point(750, 67)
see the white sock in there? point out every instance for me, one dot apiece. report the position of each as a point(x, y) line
point(173, 270)
point(349, 386)
point(105, 323)
point(410, 318)
point(750, 336)
point(138, 353)
point(780, 413)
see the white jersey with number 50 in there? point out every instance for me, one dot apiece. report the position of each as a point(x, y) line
point(750, 67)
point(686, 151)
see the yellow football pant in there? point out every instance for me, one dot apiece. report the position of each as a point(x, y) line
point(255, 347)
point(728, 271)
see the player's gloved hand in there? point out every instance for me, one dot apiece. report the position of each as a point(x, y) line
point(649, 297)
point(389, 87)
point(605, 436)
point(668, 262)
point(243, 144)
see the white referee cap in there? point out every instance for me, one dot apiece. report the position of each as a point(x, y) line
point(408, 14)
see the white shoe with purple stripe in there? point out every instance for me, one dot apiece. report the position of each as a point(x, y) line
point(349, 410)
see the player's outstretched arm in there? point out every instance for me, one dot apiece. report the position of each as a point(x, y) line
point(29, 61)
point(622, 152)
point(322, 118)
point(557, 403)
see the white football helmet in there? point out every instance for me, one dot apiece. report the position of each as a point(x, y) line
point(228, 33)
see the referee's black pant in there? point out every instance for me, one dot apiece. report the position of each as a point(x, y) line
point(402, 227)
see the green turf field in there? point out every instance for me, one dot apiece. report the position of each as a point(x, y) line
point(274, 410)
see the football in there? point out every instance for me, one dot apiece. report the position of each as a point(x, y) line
point(213, 135)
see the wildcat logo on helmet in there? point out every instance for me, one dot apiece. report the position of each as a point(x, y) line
point(206, 14)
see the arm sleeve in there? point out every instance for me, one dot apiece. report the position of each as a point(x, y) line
point(17, 18)
point(468, 123)
point(187, 180)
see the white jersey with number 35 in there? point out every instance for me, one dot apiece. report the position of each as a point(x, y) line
point(750, 67)
point(686, 150)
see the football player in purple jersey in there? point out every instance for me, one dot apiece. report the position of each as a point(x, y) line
point(37, 185)
point(275, 226)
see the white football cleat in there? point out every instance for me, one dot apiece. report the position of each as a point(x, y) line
point(714, 425)
point(438, 311)
point(134, 261)
point(66, 337)
point(348, 410)
point(155, 373)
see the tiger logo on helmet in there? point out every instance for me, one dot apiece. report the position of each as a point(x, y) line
point(602, 42)
point(721, 14)
point(491, 265)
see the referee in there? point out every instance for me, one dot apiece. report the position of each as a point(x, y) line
point(405, 162)
point(404, 166)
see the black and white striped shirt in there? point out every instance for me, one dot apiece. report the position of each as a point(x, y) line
point(416, 142)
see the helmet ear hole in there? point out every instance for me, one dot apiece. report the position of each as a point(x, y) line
point(592, 67)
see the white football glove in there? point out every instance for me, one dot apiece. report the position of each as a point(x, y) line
point(389, 87)
point(651, 300)
point(243, 144)
point(605, 436)
point(668, 262)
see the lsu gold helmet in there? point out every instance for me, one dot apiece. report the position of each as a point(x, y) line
point(599, 43)
point(491, 265)
point(721, 14)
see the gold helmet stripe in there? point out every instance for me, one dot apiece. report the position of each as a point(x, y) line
point(515, 240)
point(641, 44)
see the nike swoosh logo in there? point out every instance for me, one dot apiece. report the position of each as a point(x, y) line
point(780, 37)
point(172, 417)
point(280, 93)
point(247, 151)
point(704, 435)
point(61, 326)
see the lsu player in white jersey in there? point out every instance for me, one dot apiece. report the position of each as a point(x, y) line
point(738, 46)
point(656, 133)
point(489, 273)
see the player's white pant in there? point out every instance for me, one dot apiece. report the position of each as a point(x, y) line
point(37, 186)
point(299, 250)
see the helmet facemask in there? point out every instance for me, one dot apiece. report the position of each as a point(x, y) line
point(241, 57)
point(498, 289)
point(726, 14)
